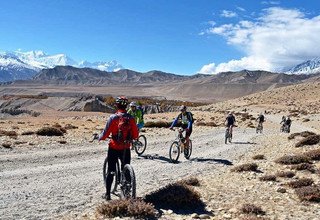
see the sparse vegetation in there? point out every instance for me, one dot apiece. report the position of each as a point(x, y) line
point(258, 157)
point(300, 183)
point(49, 131)
point(70, 126)
point(313, 154)
point(176, 196)
point(6, 145)
point(251, 209)
point(304, 166)
point(8, 133)
point(127, 208)
point(310, 140)
point(285, 174)
point(309, 193)
point(292, 159)
point(157, 124)
point(245, 167)
point(268, 178)
point(301, 134)
point(28, 133)
point(191, 181)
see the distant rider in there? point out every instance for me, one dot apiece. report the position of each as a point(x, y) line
point(137, 114)
point(288, 123)
point(186, 119)
point(230, 122)
point(123, 129)
point(260, 119)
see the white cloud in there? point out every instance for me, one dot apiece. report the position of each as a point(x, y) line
point(228, 14)
point(241, 9)
point(270, 2)
point(277, 39)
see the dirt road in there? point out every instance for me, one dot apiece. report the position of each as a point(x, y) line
point(48, 181)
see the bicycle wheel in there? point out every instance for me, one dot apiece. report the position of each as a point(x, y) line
point(116, 175)
point(174, 152)
point(140, 145)
point(128, 183)
point(188, 150)
point(226, 136)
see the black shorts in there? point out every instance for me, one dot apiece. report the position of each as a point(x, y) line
point(188, 134)
point(114, 155)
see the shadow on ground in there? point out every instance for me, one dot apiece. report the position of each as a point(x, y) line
point(212, 160)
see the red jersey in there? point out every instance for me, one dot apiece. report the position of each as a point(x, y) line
point(112, 127)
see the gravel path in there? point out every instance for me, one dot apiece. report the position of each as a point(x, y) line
point(52, 180)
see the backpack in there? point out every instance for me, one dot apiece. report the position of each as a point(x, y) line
point(142, 112)
point(124, 128)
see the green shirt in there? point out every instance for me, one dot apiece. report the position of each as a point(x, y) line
point(137, 114)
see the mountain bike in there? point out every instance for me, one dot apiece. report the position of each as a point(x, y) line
point(140, 145)
point(259, 128)
point(180, 145)
point(124, 180)
point(228, 135)
point(285, 128)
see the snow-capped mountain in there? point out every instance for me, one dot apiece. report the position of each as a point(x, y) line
point(307, 67)
point(23, 65)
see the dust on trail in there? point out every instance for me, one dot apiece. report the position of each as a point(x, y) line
point(48, 181)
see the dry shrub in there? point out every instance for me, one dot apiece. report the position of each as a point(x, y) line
point(251, 209)
point(62, 142)
point(49, 131)
point(258, 157)
point(191, 181)
point(306, 120)
point(285, 174)
point(8, 133)
point(6, 145)
point(127, 208)
point(58, 126)
point(313, 154)
point(292, 159)
point(309, 193)
point(176, 196)
point(304, 166)
point(302, 134)
point(245, 167)
point(253, 218)
point(209, 124)
point(300, 183)
point(28, 133)
point(310, 140)
point(268, 178)
point(157, 124)
point(70, 126)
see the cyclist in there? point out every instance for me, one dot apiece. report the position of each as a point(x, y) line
point(287, 123)
point(123, 129)
point(283, 120)
point(137, 114)
point(230, 121)
point(186, 122)
point(260, 119)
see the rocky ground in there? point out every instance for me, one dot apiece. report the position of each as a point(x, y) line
point(61, 177)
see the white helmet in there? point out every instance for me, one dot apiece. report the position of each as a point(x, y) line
point(133, 104)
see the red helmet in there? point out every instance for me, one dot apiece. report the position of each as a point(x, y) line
point(121, 102)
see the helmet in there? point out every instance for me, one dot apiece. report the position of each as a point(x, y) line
point(121, 102)
point(133, 104)
point(183, 108)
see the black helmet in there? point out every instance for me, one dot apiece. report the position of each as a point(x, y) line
point(183, 108)
point(121, 102)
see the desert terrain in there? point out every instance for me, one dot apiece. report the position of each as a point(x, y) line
point(61, 177)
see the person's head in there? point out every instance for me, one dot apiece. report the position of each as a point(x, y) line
point(183, 108)
point(133, 106)
point(230, 113)
point(122, 102)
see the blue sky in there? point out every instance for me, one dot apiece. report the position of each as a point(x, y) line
point(179, 36)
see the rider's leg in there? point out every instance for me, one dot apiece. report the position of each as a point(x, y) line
point(140, 125)
point(125, 157)
point(188, 134)
point(112, 161)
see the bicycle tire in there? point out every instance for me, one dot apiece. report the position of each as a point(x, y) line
point(226, 136)
point(116, 177)
point(140, 145)
point(128, 185)
point(174, 150)
point(188, 150)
